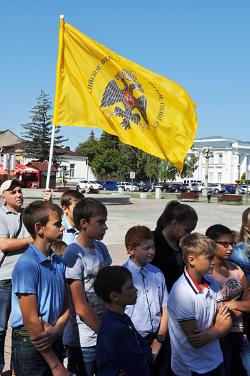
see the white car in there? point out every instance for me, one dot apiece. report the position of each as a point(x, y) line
point(216, 188)
point(86, 185)
point(243, 188)
point(127, 186)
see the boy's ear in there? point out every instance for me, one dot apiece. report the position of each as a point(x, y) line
point(191, 260)
point(114, 296)
point(83, 223)
point(38, 228)
point(130, 250)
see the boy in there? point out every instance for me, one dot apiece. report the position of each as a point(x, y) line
point(120, 348)
point(84, 258)
point(68, 201)
point(195, 323)
point(39, 311)
point(149, 313)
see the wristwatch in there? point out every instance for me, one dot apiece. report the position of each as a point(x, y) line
point(160, 338)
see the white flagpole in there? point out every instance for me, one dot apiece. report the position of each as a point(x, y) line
point(51, 147)
point(50, 156)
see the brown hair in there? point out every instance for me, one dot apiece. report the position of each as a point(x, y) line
point(58, 246)
point(136, 234)
point(196, 244)
point(66, 198)
point(244, 236)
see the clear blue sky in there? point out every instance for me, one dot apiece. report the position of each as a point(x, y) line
point(201, 44)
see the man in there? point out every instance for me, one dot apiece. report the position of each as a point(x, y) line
point(14, 238)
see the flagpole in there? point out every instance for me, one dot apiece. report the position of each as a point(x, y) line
point(50, 156)
point(53, 128)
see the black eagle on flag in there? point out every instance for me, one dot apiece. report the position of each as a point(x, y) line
point(113, 94)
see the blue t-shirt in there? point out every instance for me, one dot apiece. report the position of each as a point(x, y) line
point(34, 273)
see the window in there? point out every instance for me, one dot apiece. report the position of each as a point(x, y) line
point(219, 177)
point(211, 160)
point(71, 170)
point(211, 176)
point(220, 158)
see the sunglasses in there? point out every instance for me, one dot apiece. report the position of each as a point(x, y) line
point(226, 244)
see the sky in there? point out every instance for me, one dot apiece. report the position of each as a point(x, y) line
point(201, 44)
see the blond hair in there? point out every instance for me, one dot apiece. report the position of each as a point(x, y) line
point(196, 244)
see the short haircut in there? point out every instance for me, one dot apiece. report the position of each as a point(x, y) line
point(178, 211)
point(136, 234)
point(196, 245)
point(88, 208)
point(216, 231)
point(68, 195)
point(110, 279)
point(39, 211)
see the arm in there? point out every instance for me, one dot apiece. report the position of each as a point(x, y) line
point(12, 244)
point(52, 332)
point(242, 305)
point(222, 325)
point(29, 310)
point(81, 306)
point(163, 328)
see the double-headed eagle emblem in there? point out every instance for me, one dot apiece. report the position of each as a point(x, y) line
point(113, 94)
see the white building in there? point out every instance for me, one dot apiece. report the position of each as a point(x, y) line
point(231, 158)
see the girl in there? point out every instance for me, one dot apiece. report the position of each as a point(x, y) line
point(176, 221)
point(235, 292)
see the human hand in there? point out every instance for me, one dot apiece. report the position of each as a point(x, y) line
point(155, 347)
point(44, 340)
point(60, 370)
point(222, 314)
point(232, 305)
point(200, 338)
point(47, 195)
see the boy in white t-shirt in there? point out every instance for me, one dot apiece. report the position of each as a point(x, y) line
point(196, 318)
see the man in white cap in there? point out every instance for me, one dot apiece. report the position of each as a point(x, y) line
point(14, 238)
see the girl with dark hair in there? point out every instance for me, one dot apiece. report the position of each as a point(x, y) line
point(176, 221)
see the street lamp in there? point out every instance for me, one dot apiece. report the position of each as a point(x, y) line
point(236, 152)
point(207, 153)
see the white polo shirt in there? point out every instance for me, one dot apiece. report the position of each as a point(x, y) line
point(187, 301)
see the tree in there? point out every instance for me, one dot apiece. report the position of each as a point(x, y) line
point(37, 133)
point(88, 148)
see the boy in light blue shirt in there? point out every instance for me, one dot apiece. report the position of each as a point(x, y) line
point(149, 313)
point(39, 301)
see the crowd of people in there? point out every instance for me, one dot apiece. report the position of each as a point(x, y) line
point(180, 305)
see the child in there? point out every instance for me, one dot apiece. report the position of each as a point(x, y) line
point(149, 313)
point(176, 221)
point(68, 201)
point(194, 325)
point(120, 348)
point(235, 291)
point(39, 311)
point(84, 258)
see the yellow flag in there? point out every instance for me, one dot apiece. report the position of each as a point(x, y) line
point(95, 87)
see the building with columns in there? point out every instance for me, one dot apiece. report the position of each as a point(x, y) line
point(231, 158)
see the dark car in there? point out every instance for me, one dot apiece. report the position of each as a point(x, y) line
point(168, 187)
point(110, 186)
point(143, 187)
point(230, 188)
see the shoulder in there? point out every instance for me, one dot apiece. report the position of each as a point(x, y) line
point(234, 269)
point(72, 251)
point(103, 250)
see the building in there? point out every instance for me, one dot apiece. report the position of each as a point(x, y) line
point(231, 158)
point(74, 167)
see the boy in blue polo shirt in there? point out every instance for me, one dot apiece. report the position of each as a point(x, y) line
point(39, 309)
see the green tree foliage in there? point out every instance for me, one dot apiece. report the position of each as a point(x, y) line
point(110, 158)
point(37, 133)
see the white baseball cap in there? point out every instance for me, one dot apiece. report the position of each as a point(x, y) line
point(8, 184)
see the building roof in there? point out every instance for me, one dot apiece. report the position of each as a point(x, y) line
point(41, 166)
point(219, 142)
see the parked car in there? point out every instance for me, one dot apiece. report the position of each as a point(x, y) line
point(168, 187)
point(110, 186)
point(143, 187)
point(96, 183)
point(230, 188)
point(191, 187)
point(87, 185)
point(180, 187)
point(128, 186)
point(216, 188)
point(244, 188)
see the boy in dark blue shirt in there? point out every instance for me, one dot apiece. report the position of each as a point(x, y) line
point(120, 348)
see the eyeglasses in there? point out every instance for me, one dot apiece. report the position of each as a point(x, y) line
point(226, 244)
